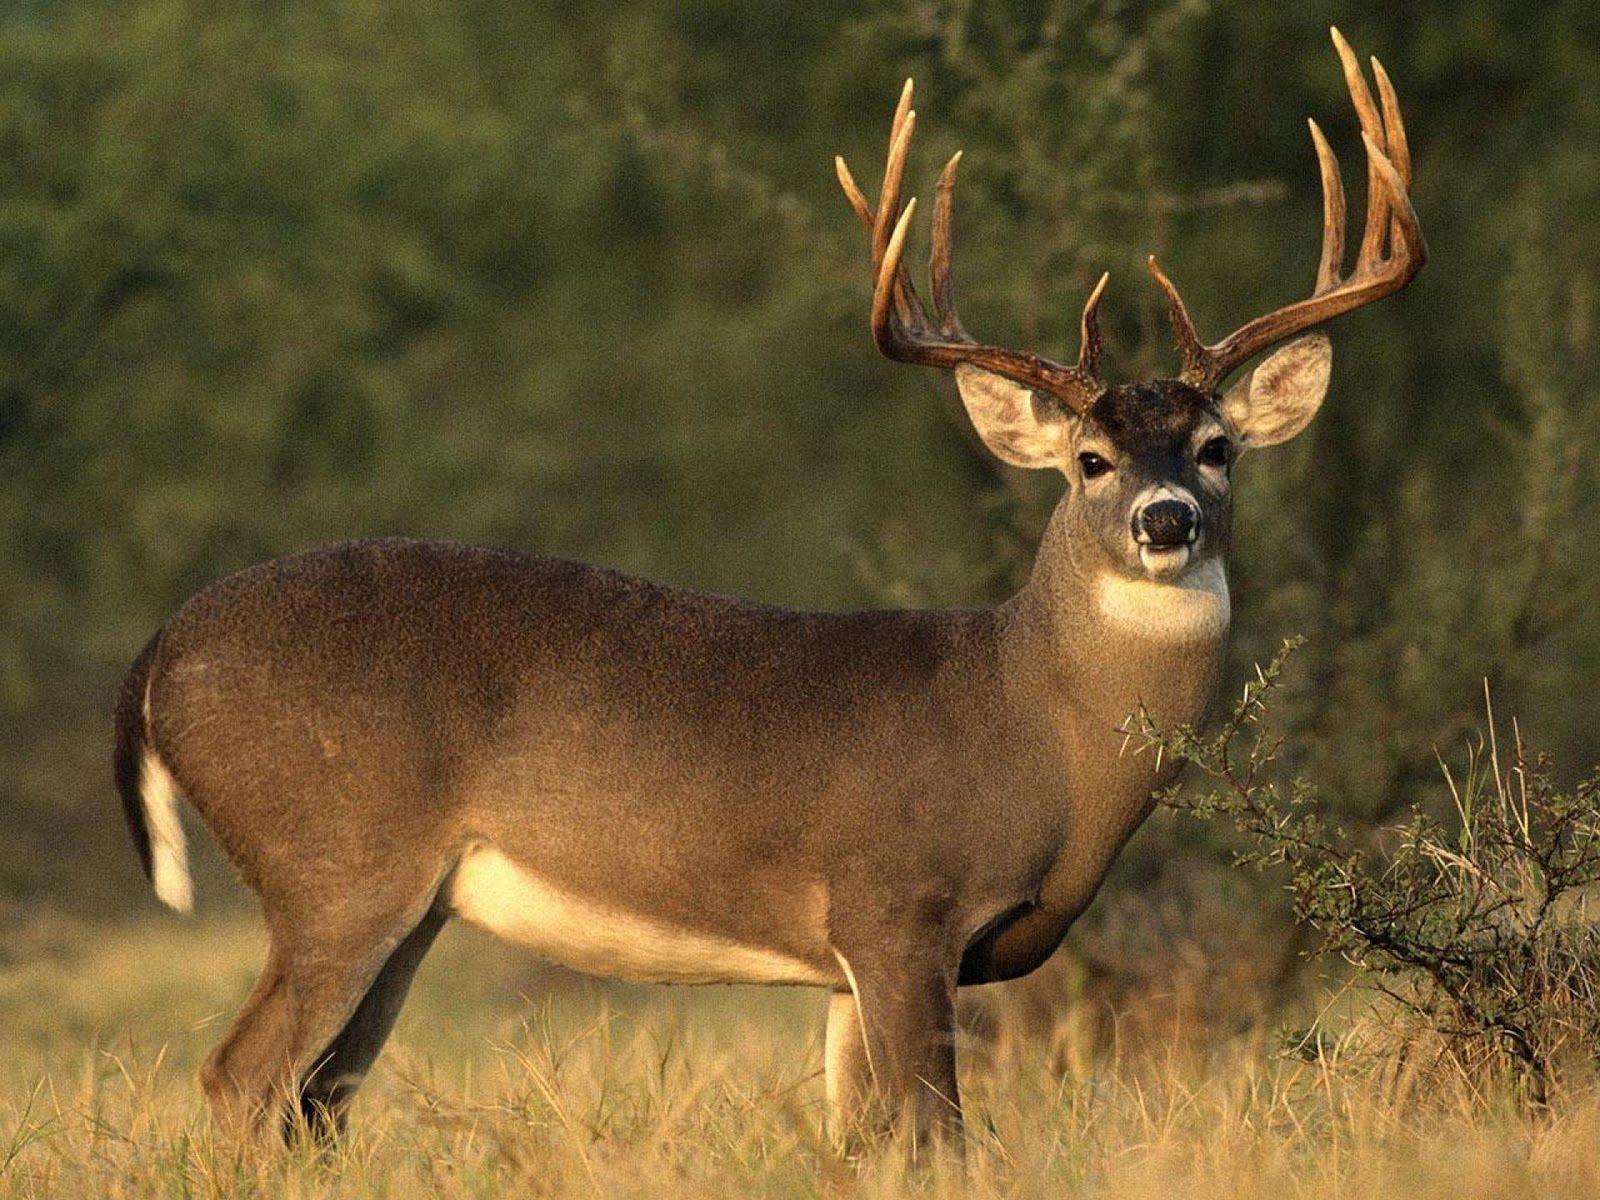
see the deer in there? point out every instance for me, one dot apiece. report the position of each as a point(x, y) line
point(655, 784)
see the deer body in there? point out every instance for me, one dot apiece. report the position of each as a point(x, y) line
point(661, 785)
point(693, 763)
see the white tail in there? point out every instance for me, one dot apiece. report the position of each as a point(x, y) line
point(169, 852)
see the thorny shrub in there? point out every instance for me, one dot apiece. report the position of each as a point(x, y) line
point(1476, 924)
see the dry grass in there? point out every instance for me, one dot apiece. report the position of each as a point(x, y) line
point(578, 1089)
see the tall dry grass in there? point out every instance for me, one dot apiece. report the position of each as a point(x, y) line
point(506, 1080)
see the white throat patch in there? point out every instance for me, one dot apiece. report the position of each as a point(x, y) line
point(1187, 609)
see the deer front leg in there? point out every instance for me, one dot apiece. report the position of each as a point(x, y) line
point(847, 1076)
point(891, 1048)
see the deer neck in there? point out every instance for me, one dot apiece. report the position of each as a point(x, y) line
point(1081, 650)
point(1086, 647)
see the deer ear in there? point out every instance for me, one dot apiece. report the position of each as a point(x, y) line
point(1278, 398)
point(1018, 425)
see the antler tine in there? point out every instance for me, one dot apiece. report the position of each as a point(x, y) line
point(905, 124)
point(1193, 354)
point(1396, 146)
point(1394, 129)
point(1392, 249)
point(906, 299)
point(944, 301)
point(852, 193)
point(1089, 330)
point(1408, 249)
point(886, 332)
point(1371, 126)
point(1333, 214)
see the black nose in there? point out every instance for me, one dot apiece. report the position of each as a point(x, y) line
point(1166, 523)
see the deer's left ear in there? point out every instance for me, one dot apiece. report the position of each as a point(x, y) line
point(1019, 425)
point(1278, 398)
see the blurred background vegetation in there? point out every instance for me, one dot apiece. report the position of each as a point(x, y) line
point(577, 279)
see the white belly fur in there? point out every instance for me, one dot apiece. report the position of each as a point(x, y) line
point(492, 892)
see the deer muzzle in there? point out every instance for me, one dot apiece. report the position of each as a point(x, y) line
point(1166, 524)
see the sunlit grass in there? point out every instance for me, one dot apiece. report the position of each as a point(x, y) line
point(505, 1079)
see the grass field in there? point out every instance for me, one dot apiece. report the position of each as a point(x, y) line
point(504, 1078)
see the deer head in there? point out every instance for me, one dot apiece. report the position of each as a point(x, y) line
point(1149, 464)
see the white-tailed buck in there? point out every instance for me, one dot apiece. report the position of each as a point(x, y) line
point(651, 783)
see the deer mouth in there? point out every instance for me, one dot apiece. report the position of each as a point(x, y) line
point(1165, 561)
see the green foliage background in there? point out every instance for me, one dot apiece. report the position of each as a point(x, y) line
point(576, 278)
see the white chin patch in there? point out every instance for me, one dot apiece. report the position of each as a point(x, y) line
point(1163, 562)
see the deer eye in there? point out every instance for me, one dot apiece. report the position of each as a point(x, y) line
point(1092, 464)
point(1215, 452)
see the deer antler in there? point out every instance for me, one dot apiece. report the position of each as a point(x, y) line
point(1392, 250)
point(900, 325)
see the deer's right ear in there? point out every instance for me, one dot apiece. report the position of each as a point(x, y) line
point(1019, 425)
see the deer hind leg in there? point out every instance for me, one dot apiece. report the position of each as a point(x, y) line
point(238, 1075)
point(328, 1087)
point(318, 972)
